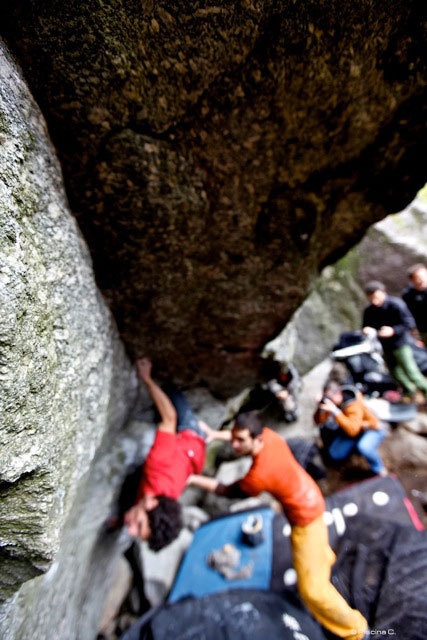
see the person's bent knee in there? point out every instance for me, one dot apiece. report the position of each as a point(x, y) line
point(310, 593)
point(364, 450)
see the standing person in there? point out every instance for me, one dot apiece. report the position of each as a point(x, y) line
point(274, 469)
point(178, 451)
point(415, 296)
point(393, 322)
point(346, 425)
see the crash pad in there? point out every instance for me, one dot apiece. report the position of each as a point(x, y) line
point(242, 614)
point(196, 577)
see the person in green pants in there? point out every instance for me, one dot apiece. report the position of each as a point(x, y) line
point(393, 323)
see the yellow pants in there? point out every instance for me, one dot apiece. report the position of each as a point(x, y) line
point(313, 559)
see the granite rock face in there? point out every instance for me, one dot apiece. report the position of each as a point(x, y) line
point(66, 383)
point(216, 155)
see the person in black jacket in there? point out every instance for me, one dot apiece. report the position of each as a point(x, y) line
point(415, 296)
point(393, 323)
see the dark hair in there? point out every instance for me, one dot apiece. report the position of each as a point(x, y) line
point(332, 386)
point(270, 368)
point(338, 373)
point(165, 522)
point(249, 420)
point(414, 268)
point(374, 285)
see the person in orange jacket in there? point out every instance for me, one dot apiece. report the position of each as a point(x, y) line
point(275, 470)
point(347, 425)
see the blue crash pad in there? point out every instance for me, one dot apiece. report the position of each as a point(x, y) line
point(196, 578)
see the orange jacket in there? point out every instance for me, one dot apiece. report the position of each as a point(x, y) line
point(354, 416)
point(275, 470)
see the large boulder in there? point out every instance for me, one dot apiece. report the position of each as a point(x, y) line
point(216, 155)
point(66, 386)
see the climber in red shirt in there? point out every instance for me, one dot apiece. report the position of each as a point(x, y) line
point(178, 451)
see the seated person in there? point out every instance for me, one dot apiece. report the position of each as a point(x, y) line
point(279, 388)
point(347, 425)
point(177, 452)
point(285, 386)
